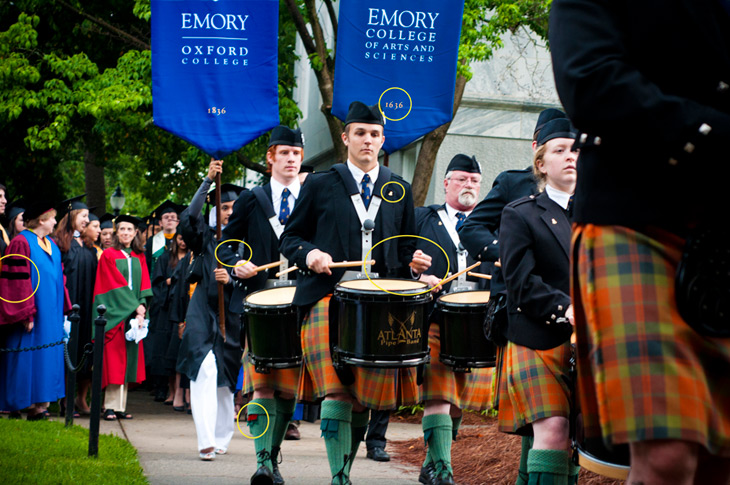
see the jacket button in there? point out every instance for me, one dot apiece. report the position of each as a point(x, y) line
point(300, 248)
point(723, 87)
point(519, 309)
point(553, 316)
point(560, 308)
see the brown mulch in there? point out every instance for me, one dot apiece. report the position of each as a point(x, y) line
point(480, 455)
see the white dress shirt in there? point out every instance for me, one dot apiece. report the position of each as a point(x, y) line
point(558, 196)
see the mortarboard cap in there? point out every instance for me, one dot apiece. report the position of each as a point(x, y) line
point(127, 218)
point(106, 221)
point(229, 193)
point(15, 208)
point(72, 204)
point(36, 209)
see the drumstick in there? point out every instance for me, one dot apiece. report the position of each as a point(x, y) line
point(480, 275)
point(342, 264)
point(456, 275)
point(264, 267)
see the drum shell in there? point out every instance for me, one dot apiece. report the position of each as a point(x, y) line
point(272, 334)
point(379, 329)
point(461, 329)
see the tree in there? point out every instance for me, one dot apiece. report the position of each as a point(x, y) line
point(484, 23)
point(76, 102)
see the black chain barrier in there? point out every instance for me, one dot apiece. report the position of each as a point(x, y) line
point(37, 347)
point(88, 350)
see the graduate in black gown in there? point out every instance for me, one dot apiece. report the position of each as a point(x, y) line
point(180, 292)
point(79, 267)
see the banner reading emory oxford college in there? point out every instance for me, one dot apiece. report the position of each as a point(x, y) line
point(214, 70)
point(402, 55)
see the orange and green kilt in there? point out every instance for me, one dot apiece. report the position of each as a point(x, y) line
point(465, 390)
point(373, 388)
point(643, 373)
point(533, 385)
point(281, 380)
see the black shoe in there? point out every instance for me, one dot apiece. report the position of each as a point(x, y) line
point(427, 475)
point(378, 454)
point(275, 460)
point(447, 479)
point(263, 476)
point(160, 395)
point(292, 432)
point(336, 481)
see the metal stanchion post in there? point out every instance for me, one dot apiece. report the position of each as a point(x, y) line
point(73, 345)
point(99, 325)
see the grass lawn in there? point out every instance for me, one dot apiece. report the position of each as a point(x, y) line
point(43, 452)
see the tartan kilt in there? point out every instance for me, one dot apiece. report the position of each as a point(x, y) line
point(281, 380)
point(643, 373)
point(373, 388)
point(533, 386)
point(465, 390)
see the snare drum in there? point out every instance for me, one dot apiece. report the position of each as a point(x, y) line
point(461, 326)
point(272, 331)
point(377, 328)
point(595, 456)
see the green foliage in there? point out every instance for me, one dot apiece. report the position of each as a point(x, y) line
point(75, 86)
point(59, 455)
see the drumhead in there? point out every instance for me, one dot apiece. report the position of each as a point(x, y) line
point(283, 295)
point(477, 296)
point(384, 283)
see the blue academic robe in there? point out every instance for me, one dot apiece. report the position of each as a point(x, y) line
point(36, 376)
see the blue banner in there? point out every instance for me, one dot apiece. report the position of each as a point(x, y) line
point(402, 55)
point(214, 71)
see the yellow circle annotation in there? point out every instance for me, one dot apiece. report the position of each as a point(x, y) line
point(238, 422)
point(367, 258)
point(409, 99)
point(215, 253)
point(36, 285)
point(392, 201)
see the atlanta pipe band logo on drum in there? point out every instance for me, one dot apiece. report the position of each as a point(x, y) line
point(214, 39)
point(403, 333)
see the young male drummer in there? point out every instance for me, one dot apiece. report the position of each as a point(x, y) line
point(333, 222)
point(259, 217)
point(445, 392)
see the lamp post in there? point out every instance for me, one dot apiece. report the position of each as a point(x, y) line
point(117, 200)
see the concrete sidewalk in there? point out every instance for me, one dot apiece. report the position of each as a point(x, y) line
point(167, 447)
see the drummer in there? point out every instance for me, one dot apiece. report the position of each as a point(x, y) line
point(259, 217)
point(444, 391)
point(325, 226)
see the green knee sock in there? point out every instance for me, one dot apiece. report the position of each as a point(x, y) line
point(573, 472)
point(437, 433)
point(359, 428)
point(284, 412)
point(455, 424)
point(522, 476)
point(548, 467)
point(337, 433)
point(257, 425)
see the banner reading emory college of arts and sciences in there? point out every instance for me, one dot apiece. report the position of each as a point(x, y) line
point(402, 55)
point(214, 71)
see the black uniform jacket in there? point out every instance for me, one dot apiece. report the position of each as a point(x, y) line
point(480, 232)
point(429, 224)
point(534, 249)
point(202, 333)
point(249, 222)
point(325, 219)
point(641, 78)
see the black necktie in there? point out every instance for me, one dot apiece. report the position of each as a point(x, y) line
point(569, 209)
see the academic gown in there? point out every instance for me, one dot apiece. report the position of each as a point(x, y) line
point(178, 307)
point(79, 267)
point(123, 360)
point(325, 219)
point(202, 333)
point(36, 376)
point(429, 225)
point(249, 222)
point(159, 331)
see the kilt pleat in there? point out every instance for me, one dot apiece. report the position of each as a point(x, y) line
point(465, 390)
point(533, 385)
point(643, 373)
point(374, 388)
point(281, 380)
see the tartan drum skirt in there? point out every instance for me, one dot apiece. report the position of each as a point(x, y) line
point(643, 373)
point(465, 390)
point(373, 388)
point(533, 385)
